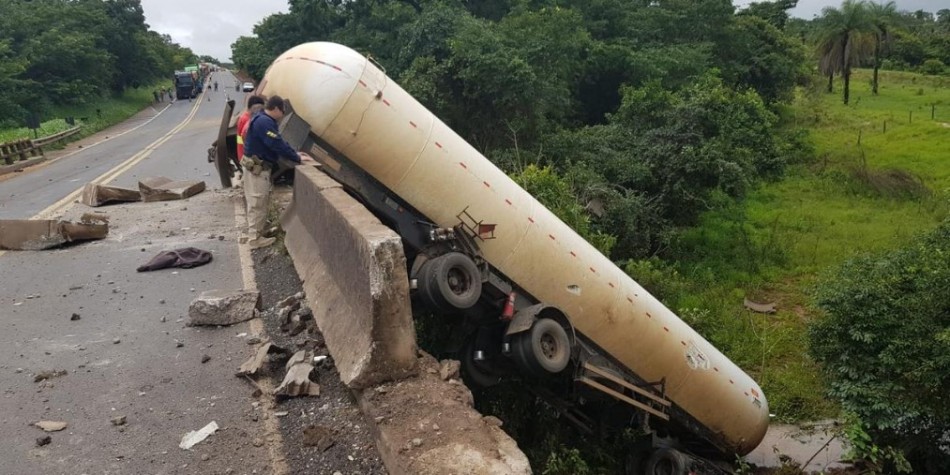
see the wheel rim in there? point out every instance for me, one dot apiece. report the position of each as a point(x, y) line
point(459, 281)
point(549, 346)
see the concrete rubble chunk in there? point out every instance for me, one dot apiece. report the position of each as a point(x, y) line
point(449, 369)
point(97, 195)
point(254, 363)
point(319, 437)
point(39, 234)
point(466, 442)
point(196, 436)
point(297, 380)
point(223, 307)
point(166, 189)
point(51, 426)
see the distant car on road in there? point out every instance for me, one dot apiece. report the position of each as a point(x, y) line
point(248, 87)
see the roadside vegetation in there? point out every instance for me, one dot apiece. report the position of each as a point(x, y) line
point(717, 156)
point(96, 61)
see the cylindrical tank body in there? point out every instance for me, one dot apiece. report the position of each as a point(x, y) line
point(357, 109)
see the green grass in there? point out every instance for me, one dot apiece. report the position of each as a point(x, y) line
point(848, 199)
point(112, 110)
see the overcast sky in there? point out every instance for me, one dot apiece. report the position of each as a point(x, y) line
point(210, 26)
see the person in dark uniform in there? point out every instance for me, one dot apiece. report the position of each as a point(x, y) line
point(263, 147)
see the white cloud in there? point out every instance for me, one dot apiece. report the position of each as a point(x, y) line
point(208, 26)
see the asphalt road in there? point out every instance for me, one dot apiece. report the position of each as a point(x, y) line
point(122, 356)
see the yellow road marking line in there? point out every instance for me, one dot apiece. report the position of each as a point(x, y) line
point(64, 204)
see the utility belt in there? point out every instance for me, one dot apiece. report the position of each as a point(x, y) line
point(255, 165)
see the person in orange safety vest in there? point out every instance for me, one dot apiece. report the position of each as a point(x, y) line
point(255, 104)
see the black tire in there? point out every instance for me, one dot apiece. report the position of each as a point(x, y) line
point(454, 281)
point(472, 373)
point(544, 349)
point(428, 291)
point(667, 461)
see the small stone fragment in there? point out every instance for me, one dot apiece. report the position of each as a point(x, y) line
point(51, 426)
point(116, 341)
point(44, 375)
point(45, 440)
point(449, 369)
point(74, 317)
point(417, 442)
point(205, 359)
point(118, 421)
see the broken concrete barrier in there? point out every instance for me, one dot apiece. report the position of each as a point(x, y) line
point(166, 189)
point(354, 274)
point(97, 195)
point(435, 429)
point(223, 307)
point(39, 234)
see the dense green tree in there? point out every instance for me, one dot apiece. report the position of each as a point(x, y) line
point(776, 13)
point(885, 346)
point(59, 52)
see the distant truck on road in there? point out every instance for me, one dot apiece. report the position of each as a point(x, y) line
point(539, 302)
point(185, 85)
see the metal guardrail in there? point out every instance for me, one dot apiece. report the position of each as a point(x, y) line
point(24, 149)
point(42, 142)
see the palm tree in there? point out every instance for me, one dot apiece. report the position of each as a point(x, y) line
point(882, 16)
point(844, 40)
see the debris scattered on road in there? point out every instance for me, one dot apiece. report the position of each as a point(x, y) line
point(51, 426)
point(97, 195)
point(40, 234)
point(45, 440)
point(74, 317)
point(118, 421)
point(165, 189)
point(186, 257)
point(196, 436)
point(44, 375)
point(224, 307)
point(205, 359)
point(297, 380)
point(319, 437)
point(254, 363)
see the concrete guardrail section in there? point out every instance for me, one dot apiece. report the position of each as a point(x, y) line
point(354, 273)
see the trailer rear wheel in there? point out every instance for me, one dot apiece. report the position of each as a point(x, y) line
point(544, 349)
point(667, 461)
point(452, 281)
point(472, 371)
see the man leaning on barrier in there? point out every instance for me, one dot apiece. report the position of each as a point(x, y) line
point(263, 147)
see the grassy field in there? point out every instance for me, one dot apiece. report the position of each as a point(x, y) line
point(111, 111)
point(850, 198)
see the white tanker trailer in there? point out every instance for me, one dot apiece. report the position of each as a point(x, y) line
point(543, 303)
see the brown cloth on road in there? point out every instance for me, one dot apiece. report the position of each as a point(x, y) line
point(187, 258)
